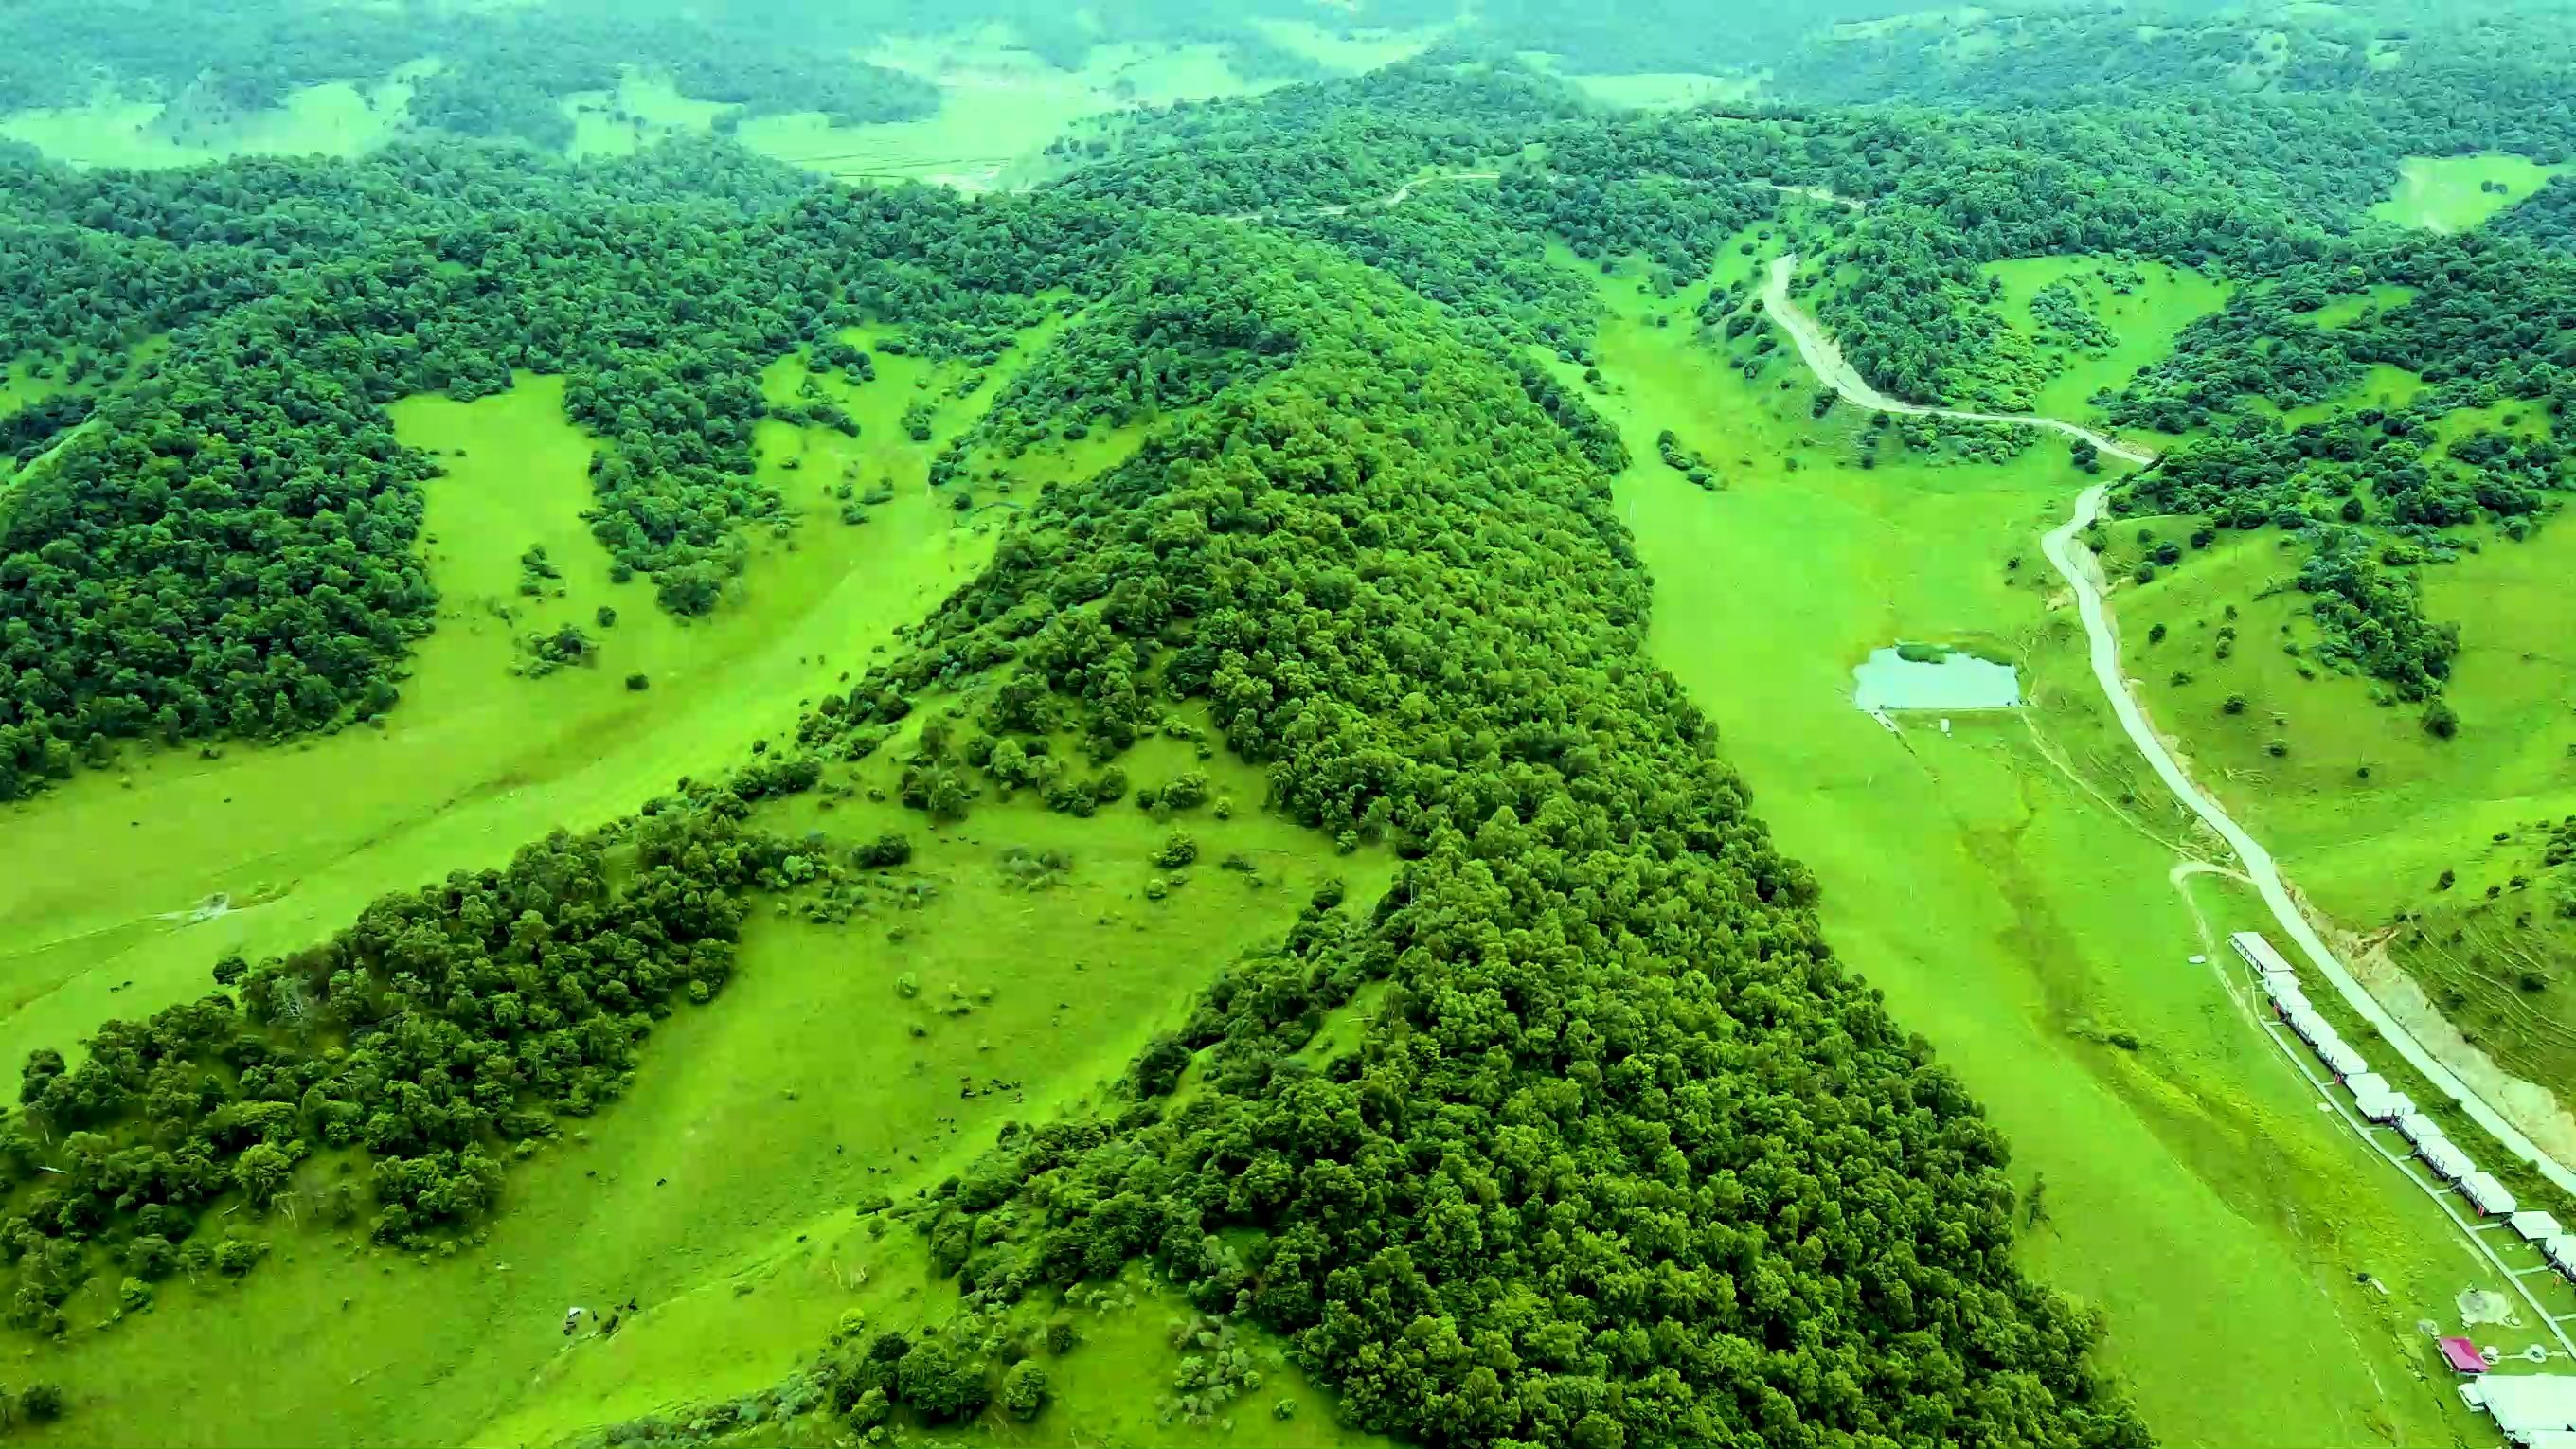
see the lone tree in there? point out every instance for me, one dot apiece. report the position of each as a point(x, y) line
point(1024, 1390)
point(939, 1380)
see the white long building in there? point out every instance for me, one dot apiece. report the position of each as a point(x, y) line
point(2376, 1100)
point(2561, 1252)
point(2258, 953)
point(2449, 1163)
point(2537, 1411)
point(2488, 1195)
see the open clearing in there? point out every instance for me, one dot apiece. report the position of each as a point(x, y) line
point(2460, 193)
point(1663, 90)
point(1347, 51)
point(999, 107)
point(717, 1195)
point(337, 119)
point(2143, 305)
point(2008, 887)
point(473, 763)
point(643, 110)
point(2366, 849)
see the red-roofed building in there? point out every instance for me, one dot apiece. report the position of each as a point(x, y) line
point(2463, 1355)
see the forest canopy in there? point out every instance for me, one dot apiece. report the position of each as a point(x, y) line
point(1606, 1143)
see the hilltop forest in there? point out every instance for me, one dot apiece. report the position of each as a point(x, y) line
point(1544, 1109)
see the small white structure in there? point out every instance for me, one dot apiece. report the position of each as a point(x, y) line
point(2486, 1194)
point(2448, 1162)
point(2418, 1129)
point(2346, 1062)
point(2526, 1406)
point(2258, 953)
point(2536, 1227)
point(2376, 1100)
point(2561, 1252)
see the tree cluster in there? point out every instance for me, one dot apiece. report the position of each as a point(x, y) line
point(499, 73)
point(383, 1075)
point(1626, 1155)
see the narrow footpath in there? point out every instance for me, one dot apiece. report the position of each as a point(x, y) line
point(2075, 563)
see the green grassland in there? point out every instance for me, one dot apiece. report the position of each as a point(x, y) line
point(643, 110)
point(1347, 51)
point(474, 763)
point(999, 107)
point(2381, 386)
point(1663, 90)
point(2011, 886)
point(718, 1195)
point(2367, 849)
point(2143, 305)
point(27, 380)
point(2344, 311)
point(336, 119)
point(1016, 963)
point(2450, 193)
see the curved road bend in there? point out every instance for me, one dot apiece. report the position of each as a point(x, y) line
point(1826, 361)
point(1392, 199)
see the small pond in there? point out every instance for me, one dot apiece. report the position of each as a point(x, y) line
point(1932, 676)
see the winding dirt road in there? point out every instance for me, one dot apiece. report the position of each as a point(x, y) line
point(1826, 361)
point(2076, 564)
point(1392, 199)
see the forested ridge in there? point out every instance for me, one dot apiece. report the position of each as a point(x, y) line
point(496, 73)
point(248, 502)
point(1611, 1148)
point(1626, 1155)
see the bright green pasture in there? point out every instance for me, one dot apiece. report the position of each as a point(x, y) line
point(473, 763)
point(718, 1195)
point(2449, 193)
point(2011, 887)
point(643, 110)
point(1661, 90)
point(340, 118)
point(2146, 305)
point(1347, 51)
point(2367, 849)
point(2344, 311)
point(999, 108)
point(30, 379)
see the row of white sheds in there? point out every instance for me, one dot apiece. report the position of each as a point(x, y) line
point(2379, 1102)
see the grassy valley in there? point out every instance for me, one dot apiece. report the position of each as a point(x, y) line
point(492, 760)
point(2015, 881)
point(972, 725)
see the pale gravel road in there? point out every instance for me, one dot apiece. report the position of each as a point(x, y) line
point(2076, 565)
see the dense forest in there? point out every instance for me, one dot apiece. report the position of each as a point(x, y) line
point(1610, 1145)
point(1409, 600)
point(473, 73)
point(1394, 576)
